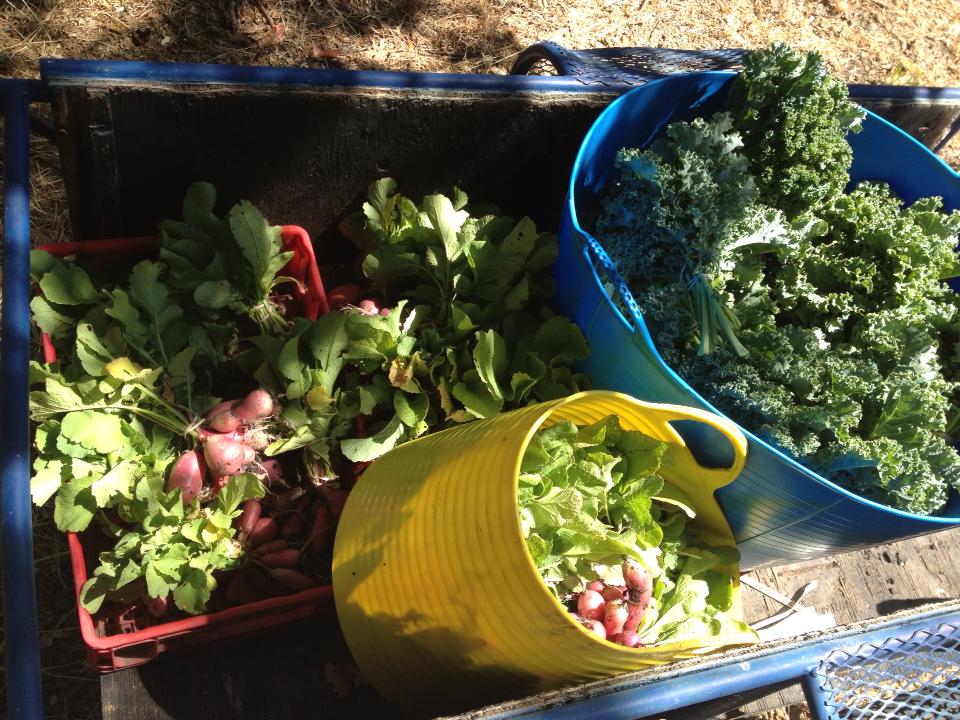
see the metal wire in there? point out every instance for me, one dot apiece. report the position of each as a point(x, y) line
point(898, 679)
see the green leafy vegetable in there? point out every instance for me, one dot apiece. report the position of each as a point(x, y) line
point(591, 496)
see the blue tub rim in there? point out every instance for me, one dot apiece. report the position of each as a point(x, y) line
point(592, 245)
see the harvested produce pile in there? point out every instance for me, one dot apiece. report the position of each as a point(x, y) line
point(612, 538)
point(815, 317)
point(194, 492)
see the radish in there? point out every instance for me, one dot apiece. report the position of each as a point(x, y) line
point(639, 582)
point(265, 530)
point(269, 547)
point(224, 456)
point(239, 590)
point(288, 558)
point(318, 531)
point(594, 626)
point(157, 606)
point(626, 638)
point(369, 307)
point(291, 579)
point(249, 517)
point(590, 605)
point(385, 312)
point(335, 498)
point(292, 526)
point(596, 586)
point(249, 454)
point(613, 592)
point(635, 613)
point(614, 616)
point(273, 471)
point(344, 295)
point(187, 475)
point(258, 404)
point(222, 418)
point(263, 584)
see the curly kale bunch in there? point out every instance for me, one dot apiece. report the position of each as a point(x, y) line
point(691, 193)
point(817, 319)
point(793, 117)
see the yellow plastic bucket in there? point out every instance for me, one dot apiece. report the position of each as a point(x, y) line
point(436, 593)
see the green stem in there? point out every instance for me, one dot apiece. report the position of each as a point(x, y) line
point(174, 412)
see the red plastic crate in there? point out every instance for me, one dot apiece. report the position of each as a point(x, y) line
point(119, 638)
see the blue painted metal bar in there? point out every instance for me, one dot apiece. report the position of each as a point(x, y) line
point(816, 698)
point(903, 92)
point(648, 696)
point(120, 71)
point(24, 694)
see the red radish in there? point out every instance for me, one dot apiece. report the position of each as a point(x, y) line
point(385, 312)
point(258, 404)
point(283, 500)
point(318, 532)
point(292, 526)
point(369, 307)
point(626, 638)
point(635, 613)
point(590, 605)
point(344, 295)
point(187, 474)
point(206, 434)
point(157, 607)
point(596, 586)
point(223, 455)
point(249, 454)
point(264, 531)
point(221, 417)
point(594, 626)
point(239, 590)
point(262, 584)
point(639, 582)
point(614, 616)
point(613, 592)
point(288, 558)
point(336, 499)
point(249, 517)
point(269, 547)
point(273, 470)
point(291, 579)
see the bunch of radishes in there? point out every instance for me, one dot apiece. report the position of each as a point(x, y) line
point(285, 536)
point(614, 612)
point(231, 438)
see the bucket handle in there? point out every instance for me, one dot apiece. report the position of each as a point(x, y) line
point(714, 477)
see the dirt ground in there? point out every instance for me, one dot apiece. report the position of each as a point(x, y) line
point(864, 41)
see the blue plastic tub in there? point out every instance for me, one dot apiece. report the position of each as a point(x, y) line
point(779, 511)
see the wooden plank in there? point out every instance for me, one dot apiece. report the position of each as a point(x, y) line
point(307, 156)
point(289, 672)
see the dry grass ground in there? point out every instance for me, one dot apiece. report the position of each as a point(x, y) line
point(867, 41)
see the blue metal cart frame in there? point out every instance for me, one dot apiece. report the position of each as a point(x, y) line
point(613, 699)
point(19, 597)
